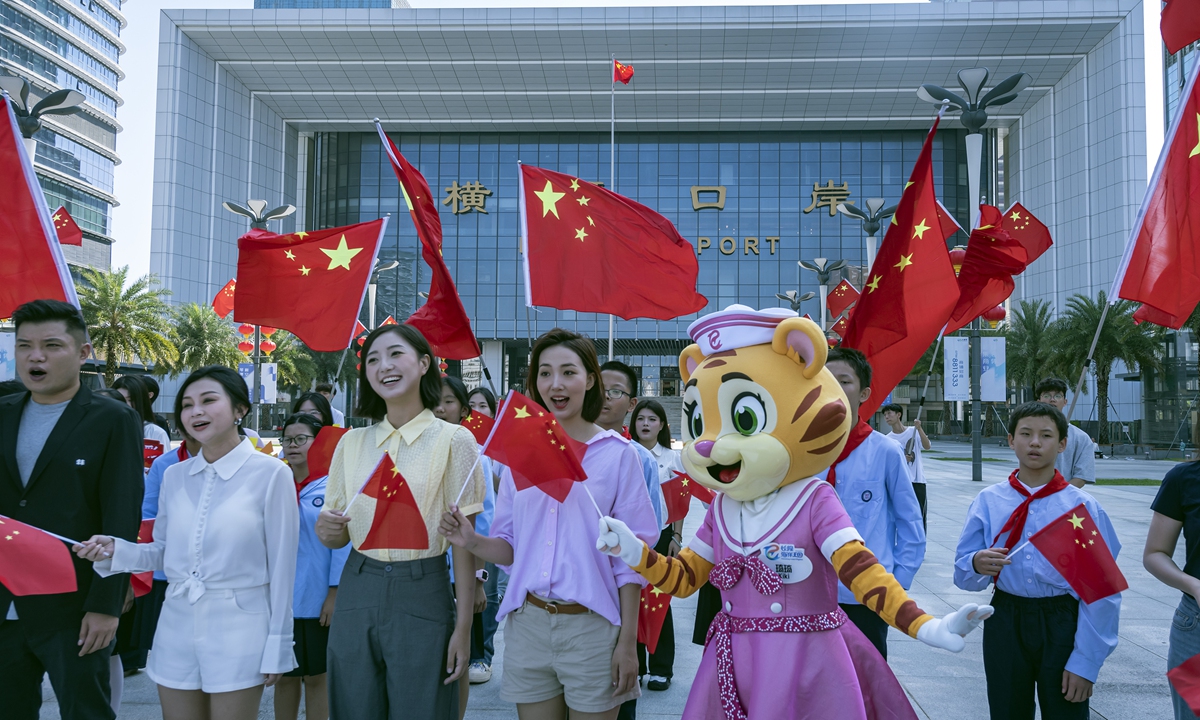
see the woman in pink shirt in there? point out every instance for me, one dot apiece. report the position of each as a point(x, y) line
point(570, 613)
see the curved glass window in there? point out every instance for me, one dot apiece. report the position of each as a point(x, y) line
point(78, 28)
point(23, 24)
point(21, 55)
point(71, 158)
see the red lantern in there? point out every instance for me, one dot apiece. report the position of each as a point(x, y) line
point(267, 346)
point(358, 368)
point(362, 340)
point(957, 255)
point(995, 315)
point(268, 331)
point(246, 347)
point(246, 329)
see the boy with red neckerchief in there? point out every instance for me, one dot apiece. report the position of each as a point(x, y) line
point(1041, 638)
point(871, 478)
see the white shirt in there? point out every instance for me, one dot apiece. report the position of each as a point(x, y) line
point(668, 462)
point(228, 525)
point(916, 473)
point(339, 418)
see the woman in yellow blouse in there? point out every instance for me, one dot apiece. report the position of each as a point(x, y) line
point(394, 606)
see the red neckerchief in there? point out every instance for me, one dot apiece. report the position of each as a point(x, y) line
point(1015, 525)
point(625, 432)
point(305, 483)
point(858, 433)
point(182, 452)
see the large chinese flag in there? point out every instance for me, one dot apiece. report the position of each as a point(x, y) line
point(320, 453)
point(1180, 24)
point(841, 297)
point(592, 250)
point(397, 524)
point(1074, 546)
point(308, 283)
point(143, 583)
point(223, 300)
point(986, 279)
point(1026, 229)
point(442, 319)
point(1161, 266)
point(535, 448)
point(33, 562)
point(652, 613)
point(69, 232)
point(33, 267)
point(480, 426)
point(912, 289)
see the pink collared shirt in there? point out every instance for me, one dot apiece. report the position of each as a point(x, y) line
point(554, 544)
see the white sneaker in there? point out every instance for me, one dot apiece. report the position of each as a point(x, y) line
point(479, 673)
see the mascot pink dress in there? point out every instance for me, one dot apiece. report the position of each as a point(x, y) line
point(762, 416)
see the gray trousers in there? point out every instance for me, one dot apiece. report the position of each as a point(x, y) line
point(388, 640)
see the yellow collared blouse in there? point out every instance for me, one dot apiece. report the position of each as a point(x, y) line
point(432, 455)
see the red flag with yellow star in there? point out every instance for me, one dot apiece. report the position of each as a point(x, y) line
point(311, 284)
point(622, 73)
point(223, 301)
point(531, 443)
point(986, 278)
point(34, 562)
point(911, 290)
point(1161, 266)
point(592, 250)
point(652, 613)
point(679, 491)
point(1074, 546)
point(841, 297)
point(397, 524)
point(480, 425)
point(143, 583)
point(1026, 229)
point(68, 231)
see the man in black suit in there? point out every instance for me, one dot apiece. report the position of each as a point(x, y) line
point(71, 464)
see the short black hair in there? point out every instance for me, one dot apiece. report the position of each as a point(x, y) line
point(628, 372)
point(488, 396)
point(654, 406)
point(856, 360)
point(232, 383)
point(11, 387)
point(1050, 384)
point(324, 387)
point(1038, 409)
point(42, 311)
point(369, 403)
point(139, 395)
point(152, 386)
point(585, 349)
point(320, 401)
point(302, 419)
point(892, 407)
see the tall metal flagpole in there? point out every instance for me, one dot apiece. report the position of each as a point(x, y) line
point(612, 159)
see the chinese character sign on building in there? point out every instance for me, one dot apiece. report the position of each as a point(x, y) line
point(467, 197)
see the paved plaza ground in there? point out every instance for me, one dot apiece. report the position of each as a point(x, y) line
point(942, 686)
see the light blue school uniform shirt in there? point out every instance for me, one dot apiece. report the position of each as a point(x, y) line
point(650, 471)
point(874, 487)
point(154, 480)
point(318, 568)
point(1031, 575)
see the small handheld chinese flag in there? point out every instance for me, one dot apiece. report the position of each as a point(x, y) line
point(535, 448)
point(143, 583)
point(480, 426)
point(622, 73)
point(841, 297)
point(1074, 546)
point(223, 302)
point(652, 613)
point(33, 562)
point(320, 453)
point(68, 231)
point(397, 524)
point(679, 491)
point(841, 326)
point(1185, 678)
point(1026, 229)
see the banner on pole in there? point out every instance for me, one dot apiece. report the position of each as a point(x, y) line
point(246, 370)
point(957, 364)
point(993, 381)
point(8, 359)
point(269, 380)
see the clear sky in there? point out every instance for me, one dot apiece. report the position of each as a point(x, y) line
point(135, 144)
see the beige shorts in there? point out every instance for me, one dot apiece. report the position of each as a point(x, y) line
point(550, 655)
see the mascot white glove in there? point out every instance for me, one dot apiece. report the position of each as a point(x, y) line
point(618, 540)
point(947, 633)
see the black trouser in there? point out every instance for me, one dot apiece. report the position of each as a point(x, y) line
point(919, 489)
point(871, 625)
point(662, 660)
point(1026, 644)
point(80, 683)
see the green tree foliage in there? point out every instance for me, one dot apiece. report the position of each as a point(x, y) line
point(126, 323)
point(1030, 345)
point(201, 338)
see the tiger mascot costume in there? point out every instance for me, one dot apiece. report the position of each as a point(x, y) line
point(762, 416)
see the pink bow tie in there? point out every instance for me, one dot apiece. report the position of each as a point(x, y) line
point(728, 572)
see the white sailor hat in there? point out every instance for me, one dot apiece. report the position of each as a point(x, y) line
point(737, 326)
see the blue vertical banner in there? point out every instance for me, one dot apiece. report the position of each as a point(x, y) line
point(8, 359)
point(957, 364)
point(993, 385)
point(246, 370)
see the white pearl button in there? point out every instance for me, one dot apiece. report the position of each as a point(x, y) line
point(545, 574)
point(776, 608)
point(728, 607)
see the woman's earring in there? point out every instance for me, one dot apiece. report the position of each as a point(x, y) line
point(237, 422)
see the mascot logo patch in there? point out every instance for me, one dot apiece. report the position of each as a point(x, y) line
point(866, 496)
point(318, 501)
point(714, 339)
point(788, 561)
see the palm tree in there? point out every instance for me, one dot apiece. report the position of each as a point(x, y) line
point(1120, 339)
point(125, 323)
point(295, 364)
point(1029, 346)
point(201, 338)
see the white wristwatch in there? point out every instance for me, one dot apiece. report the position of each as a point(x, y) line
point(481, 575)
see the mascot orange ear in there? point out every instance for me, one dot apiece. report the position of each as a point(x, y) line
point(802, 341)
point(689, 360)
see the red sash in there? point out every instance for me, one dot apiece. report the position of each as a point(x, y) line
point(858, 433)
point(1015, 525)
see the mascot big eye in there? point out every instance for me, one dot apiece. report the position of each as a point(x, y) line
point(761, 417)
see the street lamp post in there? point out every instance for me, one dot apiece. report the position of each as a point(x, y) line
point(794, 298)
point(824, 270)
point(253, 209)
point(29, 119)
point(371, 289)
point(871, 219)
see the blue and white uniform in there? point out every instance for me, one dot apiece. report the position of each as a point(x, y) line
point(317, 567)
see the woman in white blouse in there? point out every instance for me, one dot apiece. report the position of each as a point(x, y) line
point(226, 536)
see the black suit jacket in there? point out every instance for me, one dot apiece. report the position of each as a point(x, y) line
point(88, 480)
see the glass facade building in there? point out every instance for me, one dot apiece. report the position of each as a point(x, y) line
point(74, 44)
